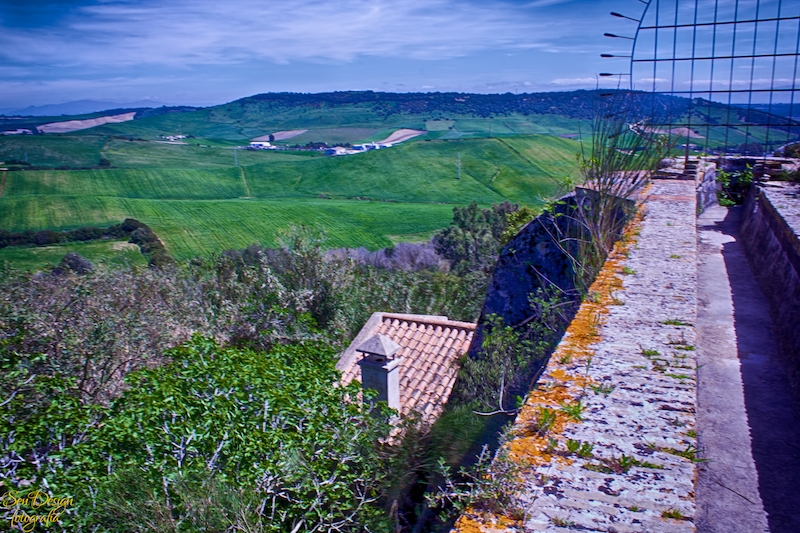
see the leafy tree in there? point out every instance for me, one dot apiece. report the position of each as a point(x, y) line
point(735, 186)
point(472, 241)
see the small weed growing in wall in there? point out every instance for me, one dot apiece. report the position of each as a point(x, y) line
point(674, 256)
point(678, 376)
point(574, 410)
point(562, 522)
point(552, 445)
point(673, 513)
point(585, 450)
point(659, 366)
point(544, 420)
point(620, 465)
point(675, 322)
point(691, 453)
point(647, 352)
point(604, 388)
point(628, 270)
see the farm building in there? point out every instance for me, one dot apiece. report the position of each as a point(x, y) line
point(260, 145)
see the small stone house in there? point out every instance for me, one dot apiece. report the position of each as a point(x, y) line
point(410, 360)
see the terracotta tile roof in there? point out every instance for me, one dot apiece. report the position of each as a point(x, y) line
point(430, 347)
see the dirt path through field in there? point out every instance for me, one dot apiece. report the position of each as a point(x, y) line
point(401, 135)
point(3, 184)
point(75, 125)
point(244, 180)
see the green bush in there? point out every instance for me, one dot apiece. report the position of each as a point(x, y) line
point(734, 186)
point(218, 437)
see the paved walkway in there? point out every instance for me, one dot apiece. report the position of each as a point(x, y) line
point(748, 421)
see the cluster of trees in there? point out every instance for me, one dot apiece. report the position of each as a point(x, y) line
point(214, 439)
point(199, 396)
point(48, 237)
point(573, 104)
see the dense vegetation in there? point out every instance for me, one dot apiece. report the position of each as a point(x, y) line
point(198, 396)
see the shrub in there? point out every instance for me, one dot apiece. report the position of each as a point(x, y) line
point(209, 434)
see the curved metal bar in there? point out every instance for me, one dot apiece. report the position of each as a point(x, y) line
point(745, 117)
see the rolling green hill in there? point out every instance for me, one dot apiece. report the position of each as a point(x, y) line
point(511, 147)
point(199, 203)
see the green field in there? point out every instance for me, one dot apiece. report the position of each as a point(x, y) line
point(372, 199)
point(108, 252)
point(199, 201)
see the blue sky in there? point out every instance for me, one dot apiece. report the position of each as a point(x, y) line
point(210, 51)
point(199, 51)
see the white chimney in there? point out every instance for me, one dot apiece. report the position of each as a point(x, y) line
point(380, 369)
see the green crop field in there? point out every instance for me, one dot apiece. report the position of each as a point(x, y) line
point(53, 150)
point(372, 199)
point(199, 227)
point(111, 253)
point(199, 202)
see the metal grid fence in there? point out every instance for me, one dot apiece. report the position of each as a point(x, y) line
point(733, 64)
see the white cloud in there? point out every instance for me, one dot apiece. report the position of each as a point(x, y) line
point(192, 32)
point(545, 3)
point(573, 81)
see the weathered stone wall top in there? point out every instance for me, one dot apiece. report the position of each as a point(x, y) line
point(606, 440)
point(784, 198)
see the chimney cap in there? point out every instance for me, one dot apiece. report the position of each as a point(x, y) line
point(380, 345)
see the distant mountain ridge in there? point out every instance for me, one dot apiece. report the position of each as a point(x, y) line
point(81, 107)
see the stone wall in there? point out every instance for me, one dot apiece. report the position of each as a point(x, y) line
point(770, 234)
point(619, 454)
point(542, 257)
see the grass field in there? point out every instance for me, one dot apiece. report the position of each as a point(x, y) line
point(111, 253)
point(198, 202)
point(200, 227)
point(372, 199)
point(53, 150)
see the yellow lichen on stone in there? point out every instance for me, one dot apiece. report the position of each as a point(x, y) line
point(565, 380)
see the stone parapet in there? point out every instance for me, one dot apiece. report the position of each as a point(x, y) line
point(770, 234)
point(606, 440)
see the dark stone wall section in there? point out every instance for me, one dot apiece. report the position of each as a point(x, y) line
point(542, 256)
point(770, 237)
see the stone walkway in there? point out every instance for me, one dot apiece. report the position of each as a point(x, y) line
point(727, 489)
point(606, 442)
point(748, 420)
